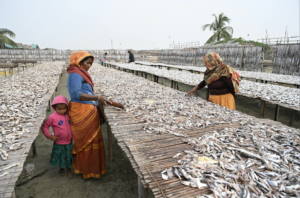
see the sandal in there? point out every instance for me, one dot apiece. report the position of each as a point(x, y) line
point(69, 175)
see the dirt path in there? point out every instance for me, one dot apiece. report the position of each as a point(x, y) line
point(119, 181)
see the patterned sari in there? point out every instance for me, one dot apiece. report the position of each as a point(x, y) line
point(88, 146)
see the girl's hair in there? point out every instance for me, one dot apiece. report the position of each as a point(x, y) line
point(86, 58)
point(58, 104)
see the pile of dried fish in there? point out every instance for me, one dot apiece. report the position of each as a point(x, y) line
point(254, 160)
point(272, 93)
point(20, 95)
point(277, 78)
point(161, 109)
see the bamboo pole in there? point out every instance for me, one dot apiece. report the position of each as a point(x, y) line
point(109, 137)
point(276, 113)
point(141, 190)
point(292, 118)
point(242, 57)
point(262, 108)
point(195, 57)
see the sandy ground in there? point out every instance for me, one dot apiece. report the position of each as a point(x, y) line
point(119, 181)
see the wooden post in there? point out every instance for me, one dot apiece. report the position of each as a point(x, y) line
point(262, 108)
point(40, 56)
point(172, 84)
point(242, 57)
point(276, 113)
point(195, 57)
point(33, 149)
point(292, 117)
point(48, 107)
point(109, 137)
point(13, 195)
point(142, 191)
point(262, 62)
point(4, 73)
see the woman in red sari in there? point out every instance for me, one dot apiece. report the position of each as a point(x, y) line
point(88, 146)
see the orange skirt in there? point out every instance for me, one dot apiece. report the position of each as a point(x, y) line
point(226, 100)
point(88, 146)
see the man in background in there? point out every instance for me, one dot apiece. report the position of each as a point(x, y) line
point(131, 57)
point(103, 59)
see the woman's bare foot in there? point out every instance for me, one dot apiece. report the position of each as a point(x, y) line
point(62, 171)
point(69, 173)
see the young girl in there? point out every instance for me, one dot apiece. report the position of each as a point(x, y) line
point(62, 147)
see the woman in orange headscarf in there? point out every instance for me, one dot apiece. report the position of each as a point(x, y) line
point(85, 122)
point(222, 81)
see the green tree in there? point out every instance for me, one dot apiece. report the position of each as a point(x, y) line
point(218, 27)
point(4, 37)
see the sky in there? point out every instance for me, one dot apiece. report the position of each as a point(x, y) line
point(141, 24)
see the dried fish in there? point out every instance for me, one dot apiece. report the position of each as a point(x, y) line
point(20, 97)
point(254, 158)
point(273, 93)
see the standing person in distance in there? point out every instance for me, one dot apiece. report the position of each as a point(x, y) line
point(131, 57)
point(222, 81)
point(103, 59)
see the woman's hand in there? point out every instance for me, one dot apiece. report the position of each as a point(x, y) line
point(193, 91)
point(103, 100)
point(53, 138)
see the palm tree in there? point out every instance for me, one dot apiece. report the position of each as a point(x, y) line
point(219, 28)
point(4, 33)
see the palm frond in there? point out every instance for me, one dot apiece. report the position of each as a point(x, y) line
point(216, 18)
point(225, 19)
point(212, 39)
point(4, 31)
point(228, 29)
point(4, 39)
point(225, 34)
point(213, 26)
point(205, 26)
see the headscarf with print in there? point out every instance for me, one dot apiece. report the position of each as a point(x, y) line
point(216, 69)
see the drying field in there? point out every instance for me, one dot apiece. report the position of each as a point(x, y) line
point(160, 141)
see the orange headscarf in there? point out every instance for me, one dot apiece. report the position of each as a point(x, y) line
point(74, 66)
point(76, 57)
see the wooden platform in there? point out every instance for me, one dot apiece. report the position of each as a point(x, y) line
point(175, 84)
point(8, 182)
point(197, 70)
point(150, 153)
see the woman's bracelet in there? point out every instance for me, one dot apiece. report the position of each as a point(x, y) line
point(99, 98)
